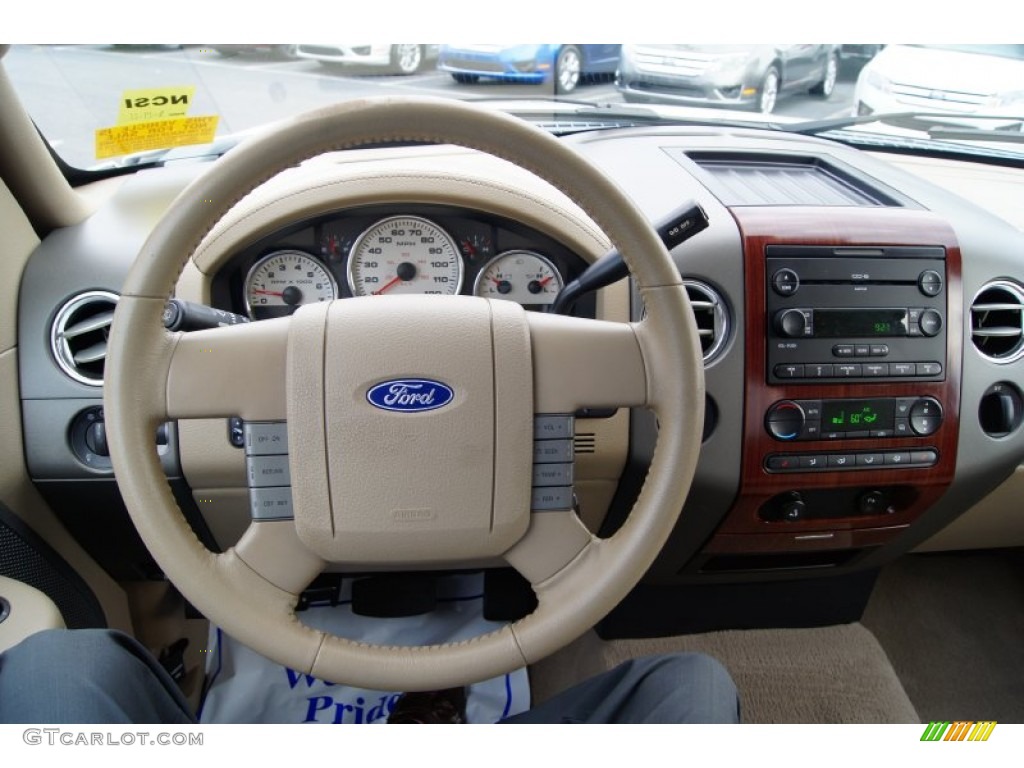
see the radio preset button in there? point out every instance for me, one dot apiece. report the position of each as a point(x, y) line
point(789, 371)
point(876, 369)
point(902, 369)
point(785, 282)
point(929, 369)
point(847, 370)
point(818, 371)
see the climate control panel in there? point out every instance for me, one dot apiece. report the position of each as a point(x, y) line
point(851, 419)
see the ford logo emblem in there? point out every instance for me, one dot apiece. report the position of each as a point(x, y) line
point(410, 395)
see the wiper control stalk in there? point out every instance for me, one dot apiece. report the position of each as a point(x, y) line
point(676, 228)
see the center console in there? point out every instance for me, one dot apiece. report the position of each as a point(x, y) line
point(853, 328)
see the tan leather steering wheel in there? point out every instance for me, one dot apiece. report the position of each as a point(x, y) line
point(463, 491)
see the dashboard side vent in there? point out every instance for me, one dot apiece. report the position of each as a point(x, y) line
point(712, 318)
point(78, 336)
point(997, 321)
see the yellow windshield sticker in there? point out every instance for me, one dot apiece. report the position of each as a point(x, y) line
point(149, 104)
point(156, 134)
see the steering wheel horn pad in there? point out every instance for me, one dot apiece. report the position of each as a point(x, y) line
point(382, 493)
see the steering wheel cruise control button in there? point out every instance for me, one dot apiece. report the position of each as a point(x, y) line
point(266, 438)
point(268, 471)
point(271, 503)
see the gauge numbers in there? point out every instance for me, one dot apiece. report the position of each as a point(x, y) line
point(522, 276)
point(282, 281)
point(404, 254)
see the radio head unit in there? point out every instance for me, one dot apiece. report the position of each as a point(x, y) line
point(855, 314)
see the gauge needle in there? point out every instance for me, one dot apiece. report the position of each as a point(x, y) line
point(545, 281)
point(388, 284)
point(269, 293)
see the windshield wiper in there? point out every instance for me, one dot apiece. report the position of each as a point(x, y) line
point(917, 121)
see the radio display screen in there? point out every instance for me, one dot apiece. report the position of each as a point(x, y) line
point(853, 415)
point(861, 323)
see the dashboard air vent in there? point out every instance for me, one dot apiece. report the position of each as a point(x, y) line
point(712, 318)
point(997, 321)
point(78, 337)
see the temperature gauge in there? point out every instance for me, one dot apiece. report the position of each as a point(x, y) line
point(522, 276)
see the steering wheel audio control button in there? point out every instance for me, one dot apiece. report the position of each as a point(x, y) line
point(552, 451)
point(552, 427)
point(551, 475)
point(551, 499)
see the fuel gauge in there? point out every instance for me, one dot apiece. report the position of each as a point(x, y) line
point(334, 247)
point(476, 247)
point(522, 276)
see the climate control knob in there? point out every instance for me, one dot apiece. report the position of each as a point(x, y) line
point(785, 420)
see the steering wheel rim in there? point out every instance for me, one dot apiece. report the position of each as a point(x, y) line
point(251, 589)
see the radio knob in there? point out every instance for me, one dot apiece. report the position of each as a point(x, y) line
point(930, 322)
point(791, 323)
point(785, 420)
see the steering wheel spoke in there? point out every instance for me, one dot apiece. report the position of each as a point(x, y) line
point(272, 549)
point(585, 364)
point(232, 371)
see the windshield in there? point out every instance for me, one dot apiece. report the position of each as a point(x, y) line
point(105, 105)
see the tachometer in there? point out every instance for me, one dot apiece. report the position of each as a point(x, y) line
point(281, 281)
point(522, 276)
point(404, 254)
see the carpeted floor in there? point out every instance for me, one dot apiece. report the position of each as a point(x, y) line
point(829, 675)
point(953, 626)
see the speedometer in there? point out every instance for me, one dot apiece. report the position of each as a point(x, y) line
point(281, 281)
point(404, 254)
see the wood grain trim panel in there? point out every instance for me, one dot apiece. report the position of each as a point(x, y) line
point(761, 227)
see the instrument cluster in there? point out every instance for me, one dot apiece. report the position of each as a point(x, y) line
point(378, 250)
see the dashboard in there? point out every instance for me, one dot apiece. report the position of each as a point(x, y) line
point(861, 327)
